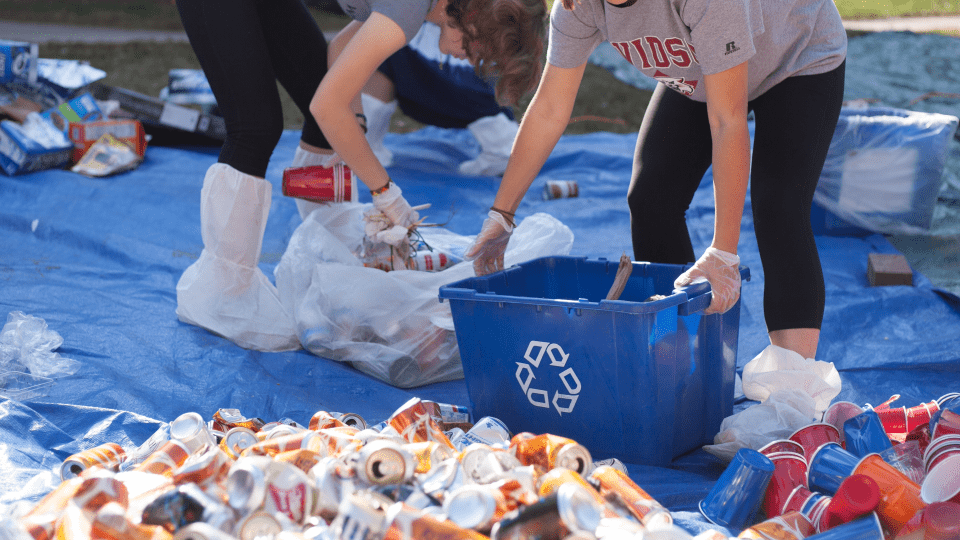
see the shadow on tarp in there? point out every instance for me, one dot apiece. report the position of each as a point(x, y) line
point(99, 259)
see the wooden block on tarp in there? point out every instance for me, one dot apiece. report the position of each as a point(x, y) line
point(888, 269)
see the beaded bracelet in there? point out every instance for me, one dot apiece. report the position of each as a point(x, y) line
point(380, 190)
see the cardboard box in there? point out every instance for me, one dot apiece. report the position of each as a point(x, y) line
point(20, 154)
point(155, 112)
point(84, 134)
point(888, 269)
point(18, 61)
point(82, 108)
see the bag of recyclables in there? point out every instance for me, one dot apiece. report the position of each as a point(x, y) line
point(884, 169)
point(389, 325)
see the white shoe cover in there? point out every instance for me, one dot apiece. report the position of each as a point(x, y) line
point(495, 135)
point(378, 116)
point(305, 158)
point(224, 291)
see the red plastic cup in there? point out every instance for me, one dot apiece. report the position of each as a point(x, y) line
point(813, 436)
point(920, 414)
point(318, 184)
point(782, 445)
point(938, 448)
point(947, 424)
point(857, 496)
point(921, 434)
point(797, 500)
point(790, 471)
point(894, 420)
point(942, 483)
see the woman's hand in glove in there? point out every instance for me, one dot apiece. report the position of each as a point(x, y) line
point(722, 270)
point(391, 204)
point(487, 250)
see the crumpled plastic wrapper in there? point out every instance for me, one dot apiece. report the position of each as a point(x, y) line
point(26, 342)
point(777, 368)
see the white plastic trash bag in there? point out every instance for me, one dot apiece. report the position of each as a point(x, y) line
point(783, 412)
point(776, 368)
point(390, 325)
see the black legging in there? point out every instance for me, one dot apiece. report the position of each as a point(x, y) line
point(795, 122)
point(245, 47)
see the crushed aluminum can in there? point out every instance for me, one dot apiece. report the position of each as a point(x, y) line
point(384, 462)
point(569, 510)
point(246, 484)
point(405, 521)
point(361, 516)
point(108, 456)
point(98, 488)
point(441, 478)
point(289, 492)
point(488, 430)
point(210, 465)
point(190, 429)
point(350, 419)
point(301, 458)
point(551, 481)
point(236, 440)
point(332, 483)
point(415, 424)
point(202, 531)
point(324, 420)
point(560, 189)
point(547, 451)
point(166, 459)
point(317, 183)
point(611, 480)
point(476, 507)
point(227, 419)
point(428, 454)
point(112, 522)
point(483, 464)
point(151, 445)
point(272, 446)
point(261, 526)
point(280, 430)
point(447, 413)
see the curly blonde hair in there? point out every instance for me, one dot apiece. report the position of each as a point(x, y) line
point(505, 39)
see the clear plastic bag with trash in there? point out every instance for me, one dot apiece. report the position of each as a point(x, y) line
point(28, 361)
point(389, 325)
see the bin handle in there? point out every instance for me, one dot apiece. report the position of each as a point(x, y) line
point(698, 298)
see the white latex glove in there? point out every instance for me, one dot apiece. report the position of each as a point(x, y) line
point(722, 270)
point(487, 250)
point(392, 205)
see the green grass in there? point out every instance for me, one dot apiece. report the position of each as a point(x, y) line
point(862, 9)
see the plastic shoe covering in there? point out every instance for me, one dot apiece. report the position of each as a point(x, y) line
point(378, 116)
point(305, 158)
point(224, 291)
point(495, 135)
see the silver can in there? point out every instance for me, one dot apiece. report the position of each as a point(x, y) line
point(200, 530)
point(384, 462)
point(350, 419)
point(488, 430)
point(560, 189)
point(237, 440)
point(246, 484)
point(190, 429)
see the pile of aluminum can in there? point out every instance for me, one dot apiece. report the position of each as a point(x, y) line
point(870, 473)
point(426, 472)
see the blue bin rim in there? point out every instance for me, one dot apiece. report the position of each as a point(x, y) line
point(689, 300)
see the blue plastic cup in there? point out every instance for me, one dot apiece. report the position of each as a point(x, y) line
point(828, 467)
point(867, 527)
point(737, 495)
point(865, 435)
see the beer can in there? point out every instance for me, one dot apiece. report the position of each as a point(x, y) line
point(226, 419)
point(560, 189)
point(415, 424)
point(237, 440)
point(641, 505)
point(246, 484)
point(362, 515)
point(190, 429)
point(167, 458)
point(547, 451)
point(259, 526)
point(279, 430)
point(483, 464)
point(428, 454)
point(202, 531)
point(476, 507)
point(447, 412)
point(289, 491)
point(282, 443)
point(405, 521)
point(317, 183)
point(323, 420)
point(151, 445)
point(98, 488)
point(111, 523)
point(430, 261)
point(108, 456)
point(383, 462)
point(350, 419)
point(208, 466)
point(335, 441)
point(571, 509)
point(488, 430)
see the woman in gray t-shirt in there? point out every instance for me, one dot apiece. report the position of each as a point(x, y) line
point(716, 60)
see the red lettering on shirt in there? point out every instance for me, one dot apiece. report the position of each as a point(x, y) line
point(660, 58)
point(677, 52)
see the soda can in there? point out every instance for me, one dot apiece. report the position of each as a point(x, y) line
point(302, 458)
point(332, 483)
point(560, 189)
point(151, 445)
point(571, 510)
point(547, 451)
point(237, 440)
point(350, 419)
point(190, 429)
point(384, 462)
point(246, 484)
point(428, 454)
point(335, 441)
point(41, 519)
point(476, 507)
point(279, 430)
point(483, 464)
point(643, 507)
point(166, 459)
point(488, 430)
point(323, 420)
point(362, 515)
point(112, 523)
point(430, 261)
point(289, 492)
point(551, 482)
point(415, 424)
point(226, 419)
point(404, 521)
point(98, 488)
point(260, 525)
point(108, 456)
point(282, 443)
point(202, 468)
point(317, 183)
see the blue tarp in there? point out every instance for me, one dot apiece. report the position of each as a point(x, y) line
point(99, 259)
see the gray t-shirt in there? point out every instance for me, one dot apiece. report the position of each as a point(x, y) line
point(408, 14)
point(678, 41)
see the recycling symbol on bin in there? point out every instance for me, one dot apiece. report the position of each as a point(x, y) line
point(526, 376)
